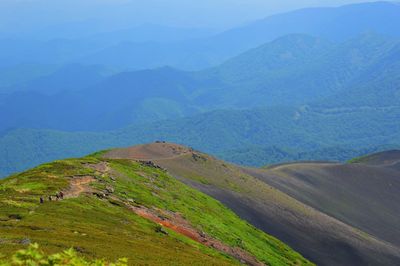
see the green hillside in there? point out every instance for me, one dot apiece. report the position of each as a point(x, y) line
point(124, 209)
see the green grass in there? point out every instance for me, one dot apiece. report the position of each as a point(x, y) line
point(209, 215)
point(33, 255)
point(97, 228)
point(359, 159)
point(100, 229)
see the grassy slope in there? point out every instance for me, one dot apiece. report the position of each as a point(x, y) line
point(319, 237)
point(99, 228)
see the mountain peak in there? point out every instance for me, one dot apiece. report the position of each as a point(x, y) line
point(151, 151)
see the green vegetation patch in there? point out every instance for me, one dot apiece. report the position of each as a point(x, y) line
point(104, 228)
point(34, 256)
point(155, 188)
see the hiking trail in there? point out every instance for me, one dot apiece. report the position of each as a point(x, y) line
point(79, 185)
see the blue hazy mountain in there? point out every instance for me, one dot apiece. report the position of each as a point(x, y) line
point(303, 95)
point(293, 70)
point(333, 77)
point(327, 23)
point(344, 100)
point(145, 47)
point(73, 77)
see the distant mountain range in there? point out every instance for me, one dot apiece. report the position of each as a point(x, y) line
point(296, 97)
point(311, 98)
point(292, 70)
point(139, 48)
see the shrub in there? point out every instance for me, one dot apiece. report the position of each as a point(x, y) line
point(33, 256)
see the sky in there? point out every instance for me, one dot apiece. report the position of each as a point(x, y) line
point(25, 15)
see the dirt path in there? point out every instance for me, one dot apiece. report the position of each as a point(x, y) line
point(79, 185)
point(101, 167)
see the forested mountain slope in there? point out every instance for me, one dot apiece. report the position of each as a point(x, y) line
point(250, 137)
point(293, 70)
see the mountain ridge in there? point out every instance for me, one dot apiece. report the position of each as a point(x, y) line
point(253, 195)
point(106, 208)
point(162, 183)
point(381, 17)
point(275, 74)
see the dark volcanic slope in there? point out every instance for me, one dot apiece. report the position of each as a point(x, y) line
point(363, 196)
point(253, 195)
point(385, 159)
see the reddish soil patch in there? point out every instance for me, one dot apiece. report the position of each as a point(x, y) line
point(176, 223)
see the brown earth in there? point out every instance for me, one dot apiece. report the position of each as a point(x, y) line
point(149, 152)
point(101, 167)
point(79, 185)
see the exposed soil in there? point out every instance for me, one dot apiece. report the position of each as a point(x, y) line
point(149, 152)
point(102, 167)
point(79, 185)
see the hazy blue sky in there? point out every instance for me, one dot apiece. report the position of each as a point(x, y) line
point(24, 14)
